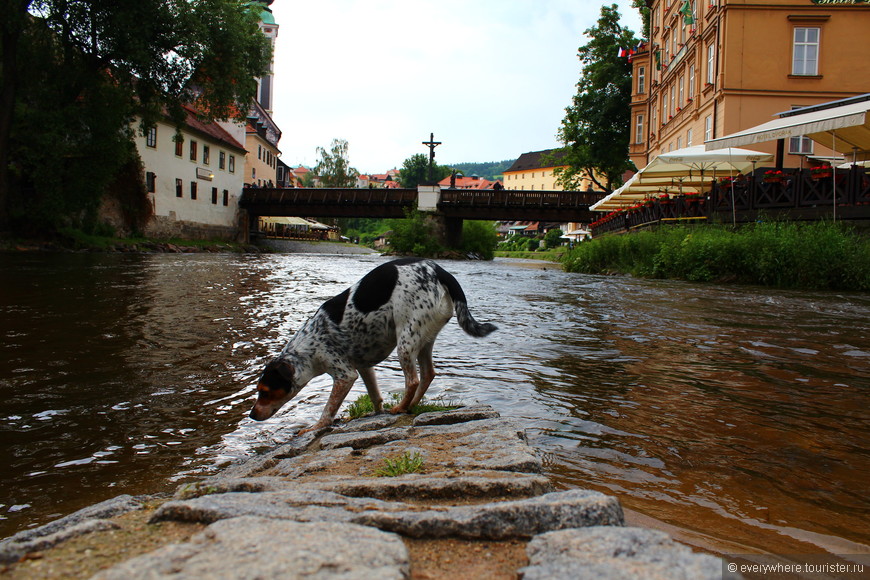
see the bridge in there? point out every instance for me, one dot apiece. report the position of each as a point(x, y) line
point(451, 204)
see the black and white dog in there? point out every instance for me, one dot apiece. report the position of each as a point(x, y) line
point(405, 302)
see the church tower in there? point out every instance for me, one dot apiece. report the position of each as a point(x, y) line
point(270, 29)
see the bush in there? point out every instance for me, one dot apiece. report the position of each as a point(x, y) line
point(479, 238)
point(414, 235)
point(818, 255)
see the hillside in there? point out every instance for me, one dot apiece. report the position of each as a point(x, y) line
point(491, 170)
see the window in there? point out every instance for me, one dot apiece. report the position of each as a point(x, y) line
point(805, 55)
point(681, 100)
point(673, 107)
point(689, 138)
point(641, 79)
point(179, 147)
point(679, 142)
point(652, 118)
point(691, 92)
point(222, 160)
point(226, 197)
point(151, 182)
point(638, 129)
point(151, 138)
point(708, 128)
point(193, 150)
point(260, 152)
point(232, 163)
point(711, 62)
point(192, 190)
point(214, 195)
point(178, 186)
point(206, 154)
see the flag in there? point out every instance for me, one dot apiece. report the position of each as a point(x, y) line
point(622, 52)
point(686, 11)
point(658, 55)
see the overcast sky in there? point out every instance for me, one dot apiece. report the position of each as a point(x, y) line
point(490, 78)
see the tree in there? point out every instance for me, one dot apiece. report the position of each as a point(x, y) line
point(595, 130)
point(334, 168)
point(76, 73)
point(415, 170)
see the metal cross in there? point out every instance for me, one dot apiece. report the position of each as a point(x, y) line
point(431, 144)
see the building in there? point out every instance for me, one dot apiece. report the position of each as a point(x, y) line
point(473, 182)
point(715, 67)
point(532, 171)
point(194, 181)
point(261, 140)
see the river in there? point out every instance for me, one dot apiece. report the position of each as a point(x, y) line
point(736, 414)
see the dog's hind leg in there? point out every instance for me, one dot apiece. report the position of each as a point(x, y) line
point(427, 371)
point(368, 377)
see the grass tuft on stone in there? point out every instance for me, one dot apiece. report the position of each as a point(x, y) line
point(405, 463)
point(363, 406)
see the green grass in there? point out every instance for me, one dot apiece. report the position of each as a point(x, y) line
point(817, 255)
point(363, 406)
point(405, 463)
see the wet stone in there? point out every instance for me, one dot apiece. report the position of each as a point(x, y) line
point(611, 553)
point(252, 547)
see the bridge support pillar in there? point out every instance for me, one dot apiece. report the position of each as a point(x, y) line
point(448, 231)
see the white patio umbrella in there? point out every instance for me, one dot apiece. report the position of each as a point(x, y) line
point(690, 168)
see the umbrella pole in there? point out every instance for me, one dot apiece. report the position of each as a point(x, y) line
point(834, 173)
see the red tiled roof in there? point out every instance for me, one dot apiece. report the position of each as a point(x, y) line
point(212, 130)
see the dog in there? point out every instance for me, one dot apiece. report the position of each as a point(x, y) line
point(404, 303)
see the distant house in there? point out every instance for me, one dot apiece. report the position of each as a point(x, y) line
point(389, 180)
point(473, 182)
point(193, 181)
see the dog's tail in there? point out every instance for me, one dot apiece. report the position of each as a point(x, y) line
point(460, 305)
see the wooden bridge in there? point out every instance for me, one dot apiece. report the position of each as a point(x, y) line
point(489, 204)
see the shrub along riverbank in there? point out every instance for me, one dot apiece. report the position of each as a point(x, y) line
point(818, 255)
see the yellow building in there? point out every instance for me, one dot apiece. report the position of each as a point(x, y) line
point(715, 67)
point(532, 172)
point(261, 162)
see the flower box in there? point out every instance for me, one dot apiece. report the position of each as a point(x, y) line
point(773, 176)
point(821, 172)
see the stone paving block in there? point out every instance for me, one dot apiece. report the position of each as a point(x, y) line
point(253, 548)
point(615, 553)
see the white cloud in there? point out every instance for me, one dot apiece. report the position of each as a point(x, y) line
point(491, 78)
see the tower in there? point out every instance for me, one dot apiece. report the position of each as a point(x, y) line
point(270, 30)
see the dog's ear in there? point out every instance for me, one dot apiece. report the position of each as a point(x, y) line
point(285, 369)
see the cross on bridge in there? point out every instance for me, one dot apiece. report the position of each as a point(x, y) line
point(432, 144)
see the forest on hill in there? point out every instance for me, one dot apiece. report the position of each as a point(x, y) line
point(490, 170)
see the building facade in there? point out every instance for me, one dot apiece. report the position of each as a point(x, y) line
point(194, 181)
point(532, 171)
point(715, 67)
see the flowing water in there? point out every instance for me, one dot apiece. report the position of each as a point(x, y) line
point(733, 413)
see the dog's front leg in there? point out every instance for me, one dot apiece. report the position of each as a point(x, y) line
point(341, 385)
point(368, 377)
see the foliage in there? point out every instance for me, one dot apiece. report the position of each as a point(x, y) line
point(415, 170)
point(415, 235)
point(74, 76)
point(363, 229)
point(334, 168)
point(479, 237)
point(596, 127)
point(490, 170)
point(645, 15)
point(407, 462)
point(818, 255)
point(553, 238)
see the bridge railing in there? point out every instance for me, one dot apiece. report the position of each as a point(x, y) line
point(515, 198)
point(305, 196)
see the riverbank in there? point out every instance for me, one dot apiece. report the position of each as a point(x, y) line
point(478, 508)
point(816, 256)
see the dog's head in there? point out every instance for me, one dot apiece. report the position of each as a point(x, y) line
point(276, 387)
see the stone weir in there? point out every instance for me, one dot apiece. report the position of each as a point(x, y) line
point(321, 506)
